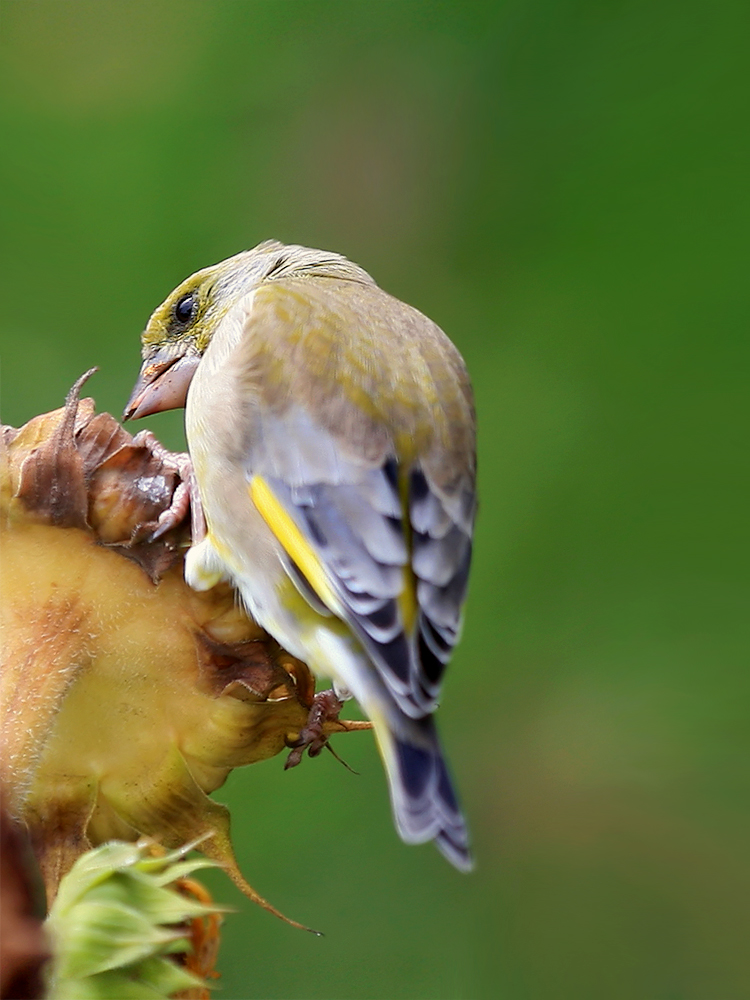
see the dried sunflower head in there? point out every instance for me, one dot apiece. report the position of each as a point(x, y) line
point(126, 697)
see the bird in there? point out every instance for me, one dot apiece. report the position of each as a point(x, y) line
point(331, 431)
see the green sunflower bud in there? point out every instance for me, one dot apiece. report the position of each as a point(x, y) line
point(120, 926)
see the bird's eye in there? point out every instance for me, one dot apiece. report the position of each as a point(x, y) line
point(184, 307)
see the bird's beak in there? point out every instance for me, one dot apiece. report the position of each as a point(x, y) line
point(162, 384)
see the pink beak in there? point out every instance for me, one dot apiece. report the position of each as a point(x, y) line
point(162, 384)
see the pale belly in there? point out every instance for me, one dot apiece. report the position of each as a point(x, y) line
point(252, 559)
point(240, 547)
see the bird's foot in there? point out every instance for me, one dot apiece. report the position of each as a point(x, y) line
point(325, 708)
point(185, 496)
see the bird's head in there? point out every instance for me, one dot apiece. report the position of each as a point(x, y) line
point(181, 328)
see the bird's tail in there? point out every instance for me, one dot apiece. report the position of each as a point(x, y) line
point(424, 802)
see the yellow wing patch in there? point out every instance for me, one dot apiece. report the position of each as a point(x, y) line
point(407, 600)
point(293, 541)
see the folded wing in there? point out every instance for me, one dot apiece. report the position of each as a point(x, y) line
point(397, 567)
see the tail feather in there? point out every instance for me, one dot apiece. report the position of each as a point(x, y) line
point(424, 803)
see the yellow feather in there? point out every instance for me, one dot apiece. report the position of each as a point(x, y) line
point(292, 540)
point(407, 600)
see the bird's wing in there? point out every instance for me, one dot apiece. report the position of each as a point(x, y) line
point(368, 532)
point(442, 526)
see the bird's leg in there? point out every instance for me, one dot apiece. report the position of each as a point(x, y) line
point(325, 708)
point(186, 493)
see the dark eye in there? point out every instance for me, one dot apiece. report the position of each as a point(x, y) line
point(184, 308)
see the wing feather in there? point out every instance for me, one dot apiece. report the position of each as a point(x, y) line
point(442, 526)
point(369, 561)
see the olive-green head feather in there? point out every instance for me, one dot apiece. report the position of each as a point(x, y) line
point(192, 312)
point(181, 328)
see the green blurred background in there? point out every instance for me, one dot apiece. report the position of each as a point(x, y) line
point(562, 187)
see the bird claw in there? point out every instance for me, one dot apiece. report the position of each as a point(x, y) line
point(185, 496)
point(325, 708)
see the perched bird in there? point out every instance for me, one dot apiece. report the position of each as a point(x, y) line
point(332, 435)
